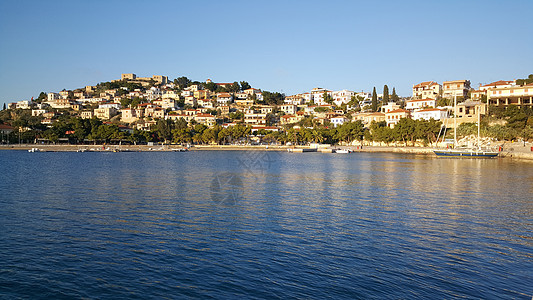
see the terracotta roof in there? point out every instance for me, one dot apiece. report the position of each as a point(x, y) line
point(3, 126)
point(202, 115)
point(425, 83)
point(430, 109)
point(452, 81)
point(420, 100)
point(399, 110)
point(499, 82)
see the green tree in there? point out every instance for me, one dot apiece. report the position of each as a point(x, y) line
point(237, 116)
point(528, 80)
point(405, 130)
point(245, 85)
point(182, 82)
point(385, 94)
point(211, 86)
point(350, 131)
point(374, 100)
point(443, 101)
point(427, 131)
point(517, 121)
point(394, 96)
point(234, 88)
point(163, 128)
point(181, 135)
point(4, 107)
point(327, 98)
point(273, 98)
point(527, 133)
point(125, 102)
point(41, 98)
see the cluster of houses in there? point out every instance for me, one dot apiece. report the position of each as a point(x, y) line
point(161, 100)
point(472, 102)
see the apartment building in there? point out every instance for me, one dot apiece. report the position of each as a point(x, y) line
point(427, 90)
point(456, 88)
point(420, 103)
point(520, 95)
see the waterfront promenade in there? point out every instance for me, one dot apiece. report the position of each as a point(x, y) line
point(515, 150)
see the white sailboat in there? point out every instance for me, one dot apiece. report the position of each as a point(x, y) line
point(468, 152)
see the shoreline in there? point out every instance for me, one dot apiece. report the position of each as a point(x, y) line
point(511, 152)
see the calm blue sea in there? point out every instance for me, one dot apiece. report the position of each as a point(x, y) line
point(264, 225)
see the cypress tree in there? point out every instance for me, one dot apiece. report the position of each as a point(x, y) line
point(4, 107)
point(394, 96)
point(385, 95)
point(374, 100)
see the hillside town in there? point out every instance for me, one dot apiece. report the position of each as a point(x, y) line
point(148, 106)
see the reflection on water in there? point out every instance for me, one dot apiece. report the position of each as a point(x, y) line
point(301, 225)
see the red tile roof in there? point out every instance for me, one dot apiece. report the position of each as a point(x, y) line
point(431, 109)
point(399, 110)
point(420, 100)
point(499, 82)
point(202, 115)
point(425, 83)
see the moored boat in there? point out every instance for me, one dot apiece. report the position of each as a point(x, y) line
point(473, 153)
point(343, 151)
point(466, 152)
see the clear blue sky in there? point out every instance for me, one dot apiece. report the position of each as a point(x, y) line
point(286, 46)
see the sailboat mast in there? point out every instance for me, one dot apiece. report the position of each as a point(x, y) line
point(455, 120)
point(478, 126)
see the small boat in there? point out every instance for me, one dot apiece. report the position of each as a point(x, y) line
point(343, 151)
point(34, 150)
point(180, 150)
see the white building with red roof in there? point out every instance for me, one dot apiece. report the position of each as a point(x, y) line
point(420, 103)
point(393, 117)
point(430, 113)
point(427, 90)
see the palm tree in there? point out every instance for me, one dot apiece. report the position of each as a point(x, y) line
point(317, 135)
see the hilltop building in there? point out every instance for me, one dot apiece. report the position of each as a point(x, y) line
point(459, 88)
point(427, 90)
